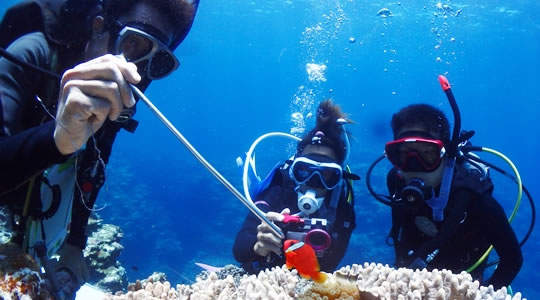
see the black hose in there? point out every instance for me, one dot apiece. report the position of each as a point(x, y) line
point(370, 188)
point(24, 64)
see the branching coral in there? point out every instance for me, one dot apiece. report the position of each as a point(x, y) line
point(390, 283)
point(359, 282)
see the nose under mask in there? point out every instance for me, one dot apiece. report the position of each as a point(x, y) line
point(308, 202)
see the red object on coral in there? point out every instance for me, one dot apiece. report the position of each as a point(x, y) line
point(302, 257)
point(444, 83)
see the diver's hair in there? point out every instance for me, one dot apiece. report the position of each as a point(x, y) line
point(327, 115)
point(178, 13)
point(425, 116)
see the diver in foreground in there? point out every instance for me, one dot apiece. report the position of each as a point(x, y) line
point(309, 196)
point(63, 99)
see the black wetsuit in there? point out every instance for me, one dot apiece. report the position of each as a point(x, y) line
point(278, 196)
point(27, 145)
point(473, 220)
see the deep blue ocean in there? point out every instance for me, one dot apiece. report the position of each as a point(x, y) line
point(248, 66)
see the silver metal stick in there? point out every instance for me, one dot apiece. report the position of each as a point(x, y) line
point(208, 166)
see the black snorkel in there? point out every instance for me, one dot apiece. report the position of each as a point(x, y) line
point(456, 140)
point(438, 203)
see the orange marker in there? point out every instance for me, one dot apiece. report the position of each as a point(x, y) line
point(302, 257)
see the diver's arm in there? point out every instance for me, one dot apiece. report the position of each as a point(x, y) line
point(503, 239)
point(26, 154)
point(24, 151)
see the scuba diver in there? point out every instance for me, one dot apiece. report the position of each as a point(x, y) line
point(63, 99)
point(443, 213)
point(310, 197)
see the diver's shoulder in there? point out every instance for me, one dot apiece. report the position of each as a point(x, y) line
point(32, 47)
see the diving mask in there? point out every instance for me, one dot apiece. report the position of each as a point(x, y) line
point(415, 154)
point(149, 53)
point(304, 170)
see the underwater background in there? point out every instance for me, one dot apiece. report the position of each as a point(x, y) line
point(253, 67)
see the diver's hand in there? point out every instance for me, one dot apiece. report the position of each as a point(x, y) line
point(71, 263)
point(89, 94)
point(267, 241)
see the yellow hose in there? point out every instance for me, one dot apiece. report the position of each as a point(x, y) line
point(516, 206)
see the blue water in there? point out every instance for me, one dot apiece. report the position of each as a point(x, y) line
point(243, 74)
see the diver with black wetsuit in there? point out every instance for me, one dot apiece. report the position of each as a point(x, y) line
point(428, 232)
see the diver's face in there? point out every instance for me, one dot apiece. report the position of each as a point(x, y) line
point(142, 12)
point(431, 179)
point(319, 150)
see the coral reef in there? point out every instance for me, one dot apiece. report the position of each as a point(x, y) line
point(19, 275)
point(101, 254)
point(364, 282)
point(6, 230)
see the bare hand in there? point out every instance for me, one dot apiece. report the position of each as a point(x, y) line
point(267, 241)
point(89, 93)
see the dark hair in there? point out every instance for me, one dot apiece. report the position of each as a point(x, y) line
point(327, 115)
point(425, 116)
point(179, 14)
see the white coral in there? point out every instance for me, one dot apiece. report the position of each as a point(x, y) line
point(378, 280)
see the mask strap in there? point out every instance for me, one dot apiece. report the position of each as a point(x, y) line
point(438, 204)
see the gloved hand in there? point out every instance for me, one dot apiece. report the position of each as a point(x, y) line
point(267, 241)
point(71, 269)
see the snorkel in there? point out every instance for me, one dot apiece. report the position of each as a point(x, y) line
point(438, 204)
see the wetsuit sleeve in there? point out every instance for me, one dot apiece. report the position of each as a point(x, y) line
point(502, 237)
point(247, 236)
point(24, 151)
point(26, 154)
